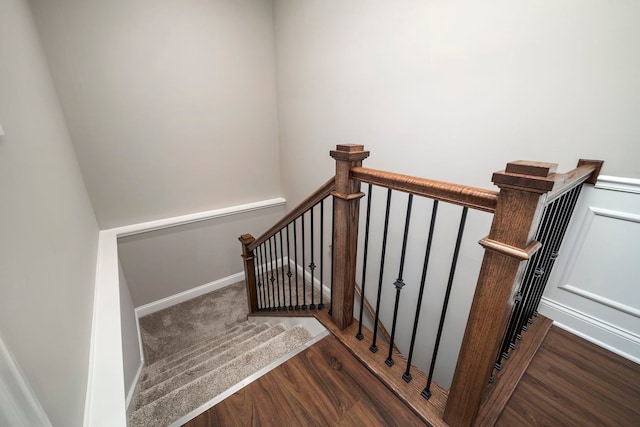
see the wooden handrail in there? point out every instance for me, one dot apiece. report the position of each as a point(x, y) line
point(315, 198)
point(472, 197)
point(586, 171)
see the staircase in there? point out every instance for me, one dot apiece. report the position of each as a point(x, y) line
point(178, 384)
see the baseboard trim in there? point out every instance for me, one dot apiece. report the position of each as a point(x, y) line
point(172, 300)
point(619, 341)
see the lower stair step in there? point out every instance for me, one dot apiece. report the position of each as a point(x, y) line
point(178, 402)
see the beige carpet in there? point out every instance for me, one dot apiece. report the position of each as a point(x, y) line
point(170, 330)
point(196, 350)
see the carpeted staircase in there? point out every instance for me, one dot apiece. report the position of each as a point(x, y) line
point(181, 382)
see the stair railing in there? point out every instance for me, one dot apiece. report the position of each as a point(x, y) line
point(269, 260)
point(530, 193)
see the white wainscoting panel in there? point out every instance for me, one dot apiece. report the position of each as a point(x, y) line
point(594, 289)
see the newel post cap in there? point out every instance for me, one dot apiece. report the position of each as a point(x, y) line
point(537, 177)
point(349, 152)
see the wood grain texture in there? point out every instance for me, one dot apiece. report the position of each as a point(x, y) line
point(572, 382)
point(346, 208)
point(505, 381)
point(322, 386)
point(430, 411)
point(515, 221)
point(471, 197)
point(249, 272)
point(315, 198)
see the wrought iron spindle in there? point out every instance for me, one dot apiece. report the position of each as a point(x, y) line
point(570, 200)
point(289, 274)
point(399, 283)
point(434, 211)
point(284, 291)
point(513, 330)
point(333, 232)
point(364, 263)
point(304, 280)
point(274, 276)
point(295, 251)
point(312, 265)
point(265, 272)
point(321, 304)
point(546, 235)
point(426, 393)
point(374, 347)
point(256, 266)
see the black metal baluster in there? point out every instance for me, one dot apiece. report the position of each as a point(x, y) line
point(426, 393)
point(289, 274)
point(284, 291)
point(434, 211)
point(364, 263)
point(295, 250)
point(374, 347)
point(333, 231)
point(312, 265)
point(274, 277)
point(321, 304)
point(256, 266)
point(304, 279)
point(569, 201)
point(265, 267)
point(513, 328)
point(399, 283)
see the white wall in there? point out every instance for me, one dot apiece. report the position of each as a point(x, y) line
point(453, 91)
point(49, 233)
point(171, 105)
point(162, 263)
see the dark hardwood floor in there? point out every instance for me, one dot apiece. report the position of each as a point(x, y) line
point(572, 382)
point(322, 386)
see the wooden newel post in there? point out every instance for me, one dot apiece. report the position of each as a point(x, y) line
point(523, 187)
point(346, 208)
point(249, 272)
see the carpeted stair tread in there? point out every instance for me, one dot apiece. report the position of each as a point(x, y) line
point(159, 374)
point(239, 328)
point(191, 371)
point(179, 402)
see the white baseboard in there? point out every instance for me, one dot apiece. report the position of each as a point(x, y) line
point(316, 281)
point(152, 307)
point(605, 335)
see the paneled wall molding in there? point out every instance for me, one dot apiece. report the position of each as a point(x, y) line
point(616, 183)
point(601, 300)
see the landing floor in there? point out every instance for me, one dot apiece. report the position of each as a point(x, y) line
point(322, 386)
point(572, 382)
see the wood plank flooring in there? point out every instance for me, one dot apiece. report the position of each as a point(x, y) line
point(572, 382)
point(322, 386)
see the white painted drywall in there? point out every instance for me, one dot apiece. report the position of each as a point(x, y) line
point(452, 91)
point(49, 233)
point(131, 356)
point(171, 105)
point(166, 262)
